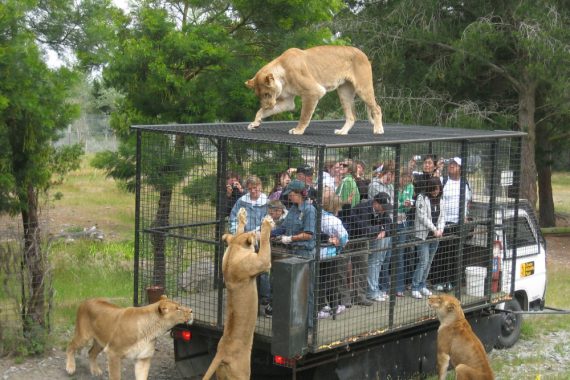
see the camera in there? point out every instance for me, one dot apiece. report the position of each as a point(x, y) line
point(235, 186)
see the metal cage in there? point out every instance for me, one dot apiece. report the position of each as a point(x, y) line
point(183, 208)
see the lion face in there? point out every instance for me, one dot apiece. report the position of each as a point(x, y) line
point(445, 305)
point(266, 88)
point(174, 312)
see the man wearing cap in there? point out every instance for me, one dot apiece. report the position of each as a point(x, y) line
point(297, 232)
point(444, 263)
point(372, 220)
point(304, 173)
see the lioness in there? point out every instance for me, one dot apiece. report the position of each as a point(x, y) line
point(310, 74)
point(457, 343)
point(241, 265)
point(123, 332)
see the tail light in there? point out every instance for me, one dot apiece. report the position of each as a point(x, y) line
point(283, 361)
point(182, 334)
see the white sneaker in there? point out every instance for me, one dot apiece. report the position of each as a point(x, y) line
point(326, 308)
point(425, 292)
point(416, 294)
point(379, 298)
point(340, 309)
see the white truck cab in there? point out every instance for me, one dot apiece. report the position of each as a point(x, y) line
point(525, 248)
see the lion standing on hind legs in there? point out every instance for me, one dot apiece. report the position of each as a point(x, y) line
point(310, 74)
point(240, 266)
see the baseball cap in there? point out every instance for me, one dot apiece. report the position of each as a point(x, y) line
point(457, 160)
point(294, 185)
point(305, 169)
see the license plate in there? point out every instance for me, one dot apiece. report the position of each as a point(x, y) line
point(527, 269)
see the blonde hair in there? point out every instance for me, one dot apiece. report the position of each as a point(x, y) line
point(252, 180)
point(331, 201)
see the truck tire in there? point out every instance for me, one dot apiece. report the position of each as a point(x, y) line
point(510, 325)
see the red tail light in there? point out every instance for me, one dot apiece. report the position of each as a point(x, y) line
point(185, 335)
point(283, 361)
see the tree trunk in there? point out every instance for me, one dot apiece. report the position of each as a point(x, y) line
point(162, 220)
point(527, 108)
point(159, 238)
point(544, 167)
point(34, 307)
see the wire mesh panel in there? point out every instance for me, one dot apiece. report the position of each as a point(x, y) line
point(382, 221)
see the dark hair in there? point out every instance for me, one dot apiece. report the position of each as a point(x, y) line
point(431, 184)
point(278, 181)
point(232, 174)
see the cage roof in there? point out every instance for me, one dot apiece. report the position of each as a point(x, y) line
point(321, 133)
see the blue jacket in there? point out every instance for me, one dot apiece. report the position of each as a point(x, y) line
point(365, 222)
point(256, 211)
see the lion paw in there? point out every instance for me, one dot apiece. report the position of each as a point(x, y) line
point(242, 216)
point(295, 131)
point(340, 132)
point(268, 221)
point(96, 371)
point(70, 368)
point(253, 125)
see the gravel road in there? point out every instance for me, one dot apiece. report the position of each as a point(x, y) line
point(542, 357)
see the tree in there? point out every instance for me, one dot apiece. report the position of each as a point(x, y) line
point(186, 61)
point(497, 55)
point(34, 108)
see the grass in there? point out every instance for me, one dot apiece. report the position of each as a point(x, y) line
point(561, 192)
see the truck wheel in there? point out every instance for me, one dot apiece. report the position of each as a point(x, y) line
point(510, 325)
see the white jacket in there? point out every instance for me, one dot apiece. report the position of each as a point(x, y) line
point(423, 224)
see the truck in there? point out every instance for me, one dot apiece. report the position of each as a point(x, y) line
point(498, 266)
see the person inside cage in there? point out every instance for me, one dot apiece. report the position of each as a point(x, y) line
point(304, 173)
point(331, 174)
point(428, 226)
point(332, 283)
point(444, 274)
point(254, 202)
point(405, 255)
point(234, 190)
point(347, 190)
point(297, 232)
point(278, 212)
point(361, 181)
point(383, 181)
point(282, 179)
point(372, 220)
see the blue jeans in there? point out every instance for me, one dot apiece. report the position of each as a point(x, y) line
point(402, 272)
point(426, 252)
point(378, 265)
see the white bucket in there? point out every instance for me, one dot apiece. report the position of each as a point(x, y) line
point(475, 281)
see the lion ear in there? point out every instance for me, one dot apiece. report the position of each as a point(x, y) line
point(250, 83)
point(251, 239)
point(227, 238)
point(269, 79)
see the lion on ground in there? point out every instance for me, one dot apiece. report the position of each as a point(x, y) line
point(457, 343)
point(123, 333)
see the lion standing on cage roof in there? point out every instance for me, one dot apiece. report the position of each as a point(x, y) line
point(310, 74)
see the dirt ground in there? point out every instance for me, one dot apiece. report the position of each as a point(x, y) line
point(52, 364)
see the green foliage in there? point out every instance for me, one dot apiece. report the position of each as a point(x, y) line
point(65, 159)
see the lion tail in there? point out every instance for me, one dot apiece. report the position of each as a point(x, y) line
point(212, 368)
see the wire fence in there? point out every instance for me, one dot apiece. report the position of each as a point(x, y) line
point(381, 221)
